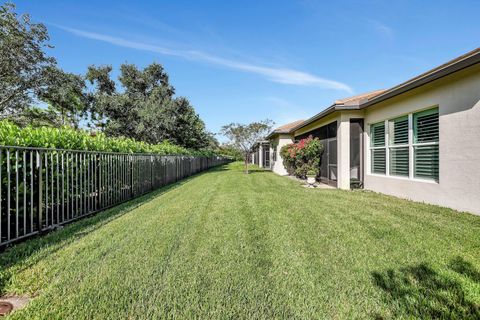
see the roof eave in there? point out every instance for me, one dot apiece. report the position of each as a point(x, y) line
point(314, 118)
point(324, 113)
point(271, 135)
point(465, 61)
point(424, 79)
point(274, 133)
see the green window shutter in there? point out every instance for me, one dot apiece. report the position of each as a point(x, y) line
point(399, 156)
point(426, 131)
point(399, 161)
point(426, 126)
point(377, 134)
point(379, 161)
point(426, 162)
point(398, 131)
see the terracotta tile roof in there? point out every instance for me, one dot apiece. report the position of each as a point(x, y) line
point(354, 101)
point(287, 127)
point(360, 97)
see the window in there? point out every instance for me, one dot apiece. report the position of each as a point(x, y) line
point(426, 139)
point(274, 153)
point(378, 148)
point(398, 146)
point(407, 146)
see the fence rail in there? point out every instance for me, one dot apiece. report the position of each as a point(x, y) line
point(41, 189)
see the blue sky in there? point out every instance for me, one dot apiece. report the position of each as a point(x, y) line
point(241, 61)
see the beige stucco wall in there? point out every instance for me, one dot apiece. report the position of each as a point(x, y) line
point(343, 147)
point(343, 141)
point(280, 141)
point(260, 155)
point(458, 99)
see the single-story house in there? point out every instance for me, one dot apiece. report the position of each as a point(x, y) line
point(419, 140)
point(260, 154)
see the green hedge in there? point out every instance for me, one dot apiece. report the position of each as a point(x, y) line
point(68, 138)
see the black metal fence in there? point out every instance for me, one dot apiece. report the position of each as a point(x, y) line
point(44, 188)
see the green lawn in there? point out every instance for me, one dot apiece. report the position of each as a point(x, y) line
point(228, 245)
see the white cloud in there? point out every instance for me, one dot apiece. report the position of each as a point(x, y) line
point(279, 75)
point(382, 29)
point(284, 111)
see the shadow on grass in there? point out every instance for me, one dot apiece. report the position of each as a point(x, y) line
point(25, 254)
point(219, 169)
point(421, 292)
point(465, 268)
point(254, 170)
point(258, 171)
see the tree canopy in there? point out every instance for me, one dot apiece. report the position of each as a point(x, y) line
point(244, 136)
point(65, 94)
point(24, 62)
point(141, 105)
point(145, 108)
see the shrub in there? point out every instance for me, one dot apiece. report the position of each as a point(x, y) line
point(70, 139)
point(312, 173)
point(302, 157)
point(230, 152)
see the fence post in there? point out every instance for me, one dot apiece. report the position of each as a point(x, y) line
point(151, 172)
point(40, 191)
point(131, 176)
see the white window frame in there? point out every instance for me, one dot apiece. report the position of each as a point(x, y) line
point(404, 145)
point(411, 149)
point(424, 144)
point(385, 146)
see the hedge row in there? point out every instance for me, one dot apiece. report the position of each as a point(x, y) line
point(68, 138)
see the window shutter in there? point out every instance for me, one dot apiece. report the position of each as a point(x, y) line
point(426, 131)
point(379, 161)
point(398, 131)
point(426, 126)
point(379, 156)
point(426, 162)
point(378, 134)
point(398, 135)
point(399, 162)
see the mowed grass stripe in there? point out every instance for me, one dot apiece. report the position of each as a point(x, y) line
point(224, 244)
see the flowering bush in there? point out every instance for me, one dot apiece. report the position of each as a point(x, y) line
point(302, 157)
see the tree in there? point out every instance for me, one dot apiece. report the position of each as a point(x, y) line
point(230, 151)
point(36, 117)
point(175, 121)
point(244, 136)
point(28, 74)
point(64, 93)
point(146, 108)
point(102, 95)
point(120, 113)
point(24, 62)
